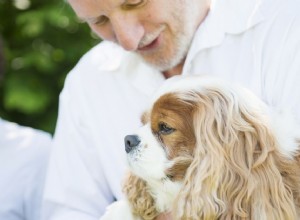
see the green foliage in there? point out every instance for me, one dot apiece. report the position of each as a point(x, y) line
point(42, 40)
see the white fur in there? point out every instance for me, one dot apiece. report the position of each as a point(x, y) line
point(149, 161)
point(164, 193)
point(286, 129)
point(119, 210)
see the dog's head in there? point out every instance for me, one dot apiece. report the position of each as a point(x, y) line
point(215, 145)
point(163, 148)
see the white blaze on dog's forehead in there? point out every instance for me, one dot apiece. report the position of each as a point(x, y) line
point(191, 83)
point(152, 160)
point(180, 83)
point(201, 84)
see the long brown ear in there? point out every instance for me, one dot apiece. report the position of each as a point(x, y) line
point(237, 171)
point(142, 203)
point(293, 177)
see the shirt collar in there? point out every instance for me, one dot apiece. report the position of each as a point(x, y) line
point(144, 77)
point(224, 17)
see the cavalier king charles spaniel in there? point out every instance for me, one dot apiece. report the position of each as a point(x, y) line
point(211, 150)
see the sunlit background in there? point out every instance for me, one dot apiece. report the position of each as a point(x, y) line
point(42, 41)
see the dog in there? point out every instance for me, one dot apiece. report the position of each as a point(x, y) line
point(211, 150)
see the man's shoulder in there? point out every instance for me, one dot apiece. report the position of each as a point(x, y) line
point(105, 65)
point(105, 56)
point(281, 10)
point(106, 59)
point(282, 24)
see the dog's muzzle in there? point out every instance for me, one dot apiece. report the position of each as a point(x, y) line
point(131, 141)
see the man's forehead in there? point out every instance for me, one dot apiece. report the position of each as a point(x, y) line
point(89, 9)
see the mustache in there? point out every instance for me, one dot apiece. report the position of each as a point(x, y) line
point(149, 38)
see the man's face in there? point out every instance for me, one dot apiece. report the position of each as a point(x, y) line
point(160, 31)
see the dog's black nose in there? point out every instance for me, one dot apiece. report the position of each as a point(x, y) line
point(131, 141)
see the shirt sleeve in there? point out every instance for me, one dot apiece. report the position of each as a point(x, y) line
point(88, 160)
point(36, 167)
point(76, 186)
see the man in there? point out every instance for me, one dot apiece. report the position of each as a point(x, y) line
point(24, 154)
point(255, 43)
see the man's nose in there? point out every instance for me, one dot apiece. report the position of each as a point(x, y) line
point(128, 32)
point(131, 141)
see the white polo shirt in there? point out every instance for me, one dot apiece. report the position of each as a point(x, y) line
point(24, 154)
point(252, 42)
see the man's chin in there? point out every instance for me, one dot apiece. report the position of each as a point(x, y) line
point(161, 65)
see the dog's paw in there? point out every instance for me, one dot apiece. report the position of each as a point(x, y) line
point(119, 210)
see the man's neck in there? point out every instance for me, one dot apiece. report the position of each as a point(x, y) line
point(177, 70)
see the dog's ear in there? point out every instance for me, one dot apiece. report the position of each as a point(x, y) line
point(142, 203)
point(237, 170)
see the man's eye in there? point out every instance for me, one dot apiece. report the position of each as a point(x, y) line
point(164, 129)
point(99, 21)
point(131, 4)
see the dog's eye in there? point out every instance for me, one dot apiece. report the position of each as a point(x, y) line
point(165, 129)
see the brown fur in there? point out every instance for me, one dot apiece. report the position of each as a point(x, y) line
point(141, 201)
point(180, 144)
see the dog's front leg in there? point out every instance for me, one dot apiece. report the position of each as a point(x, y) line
point(119, 210)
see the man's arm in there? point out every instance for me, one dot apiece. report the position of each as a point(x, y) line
point(75, 185)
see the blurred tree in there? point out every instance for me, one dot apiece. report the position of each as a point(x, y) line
point(42, 41)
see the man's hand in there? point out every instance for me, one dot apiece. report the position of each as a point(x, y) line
point(164, 216)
